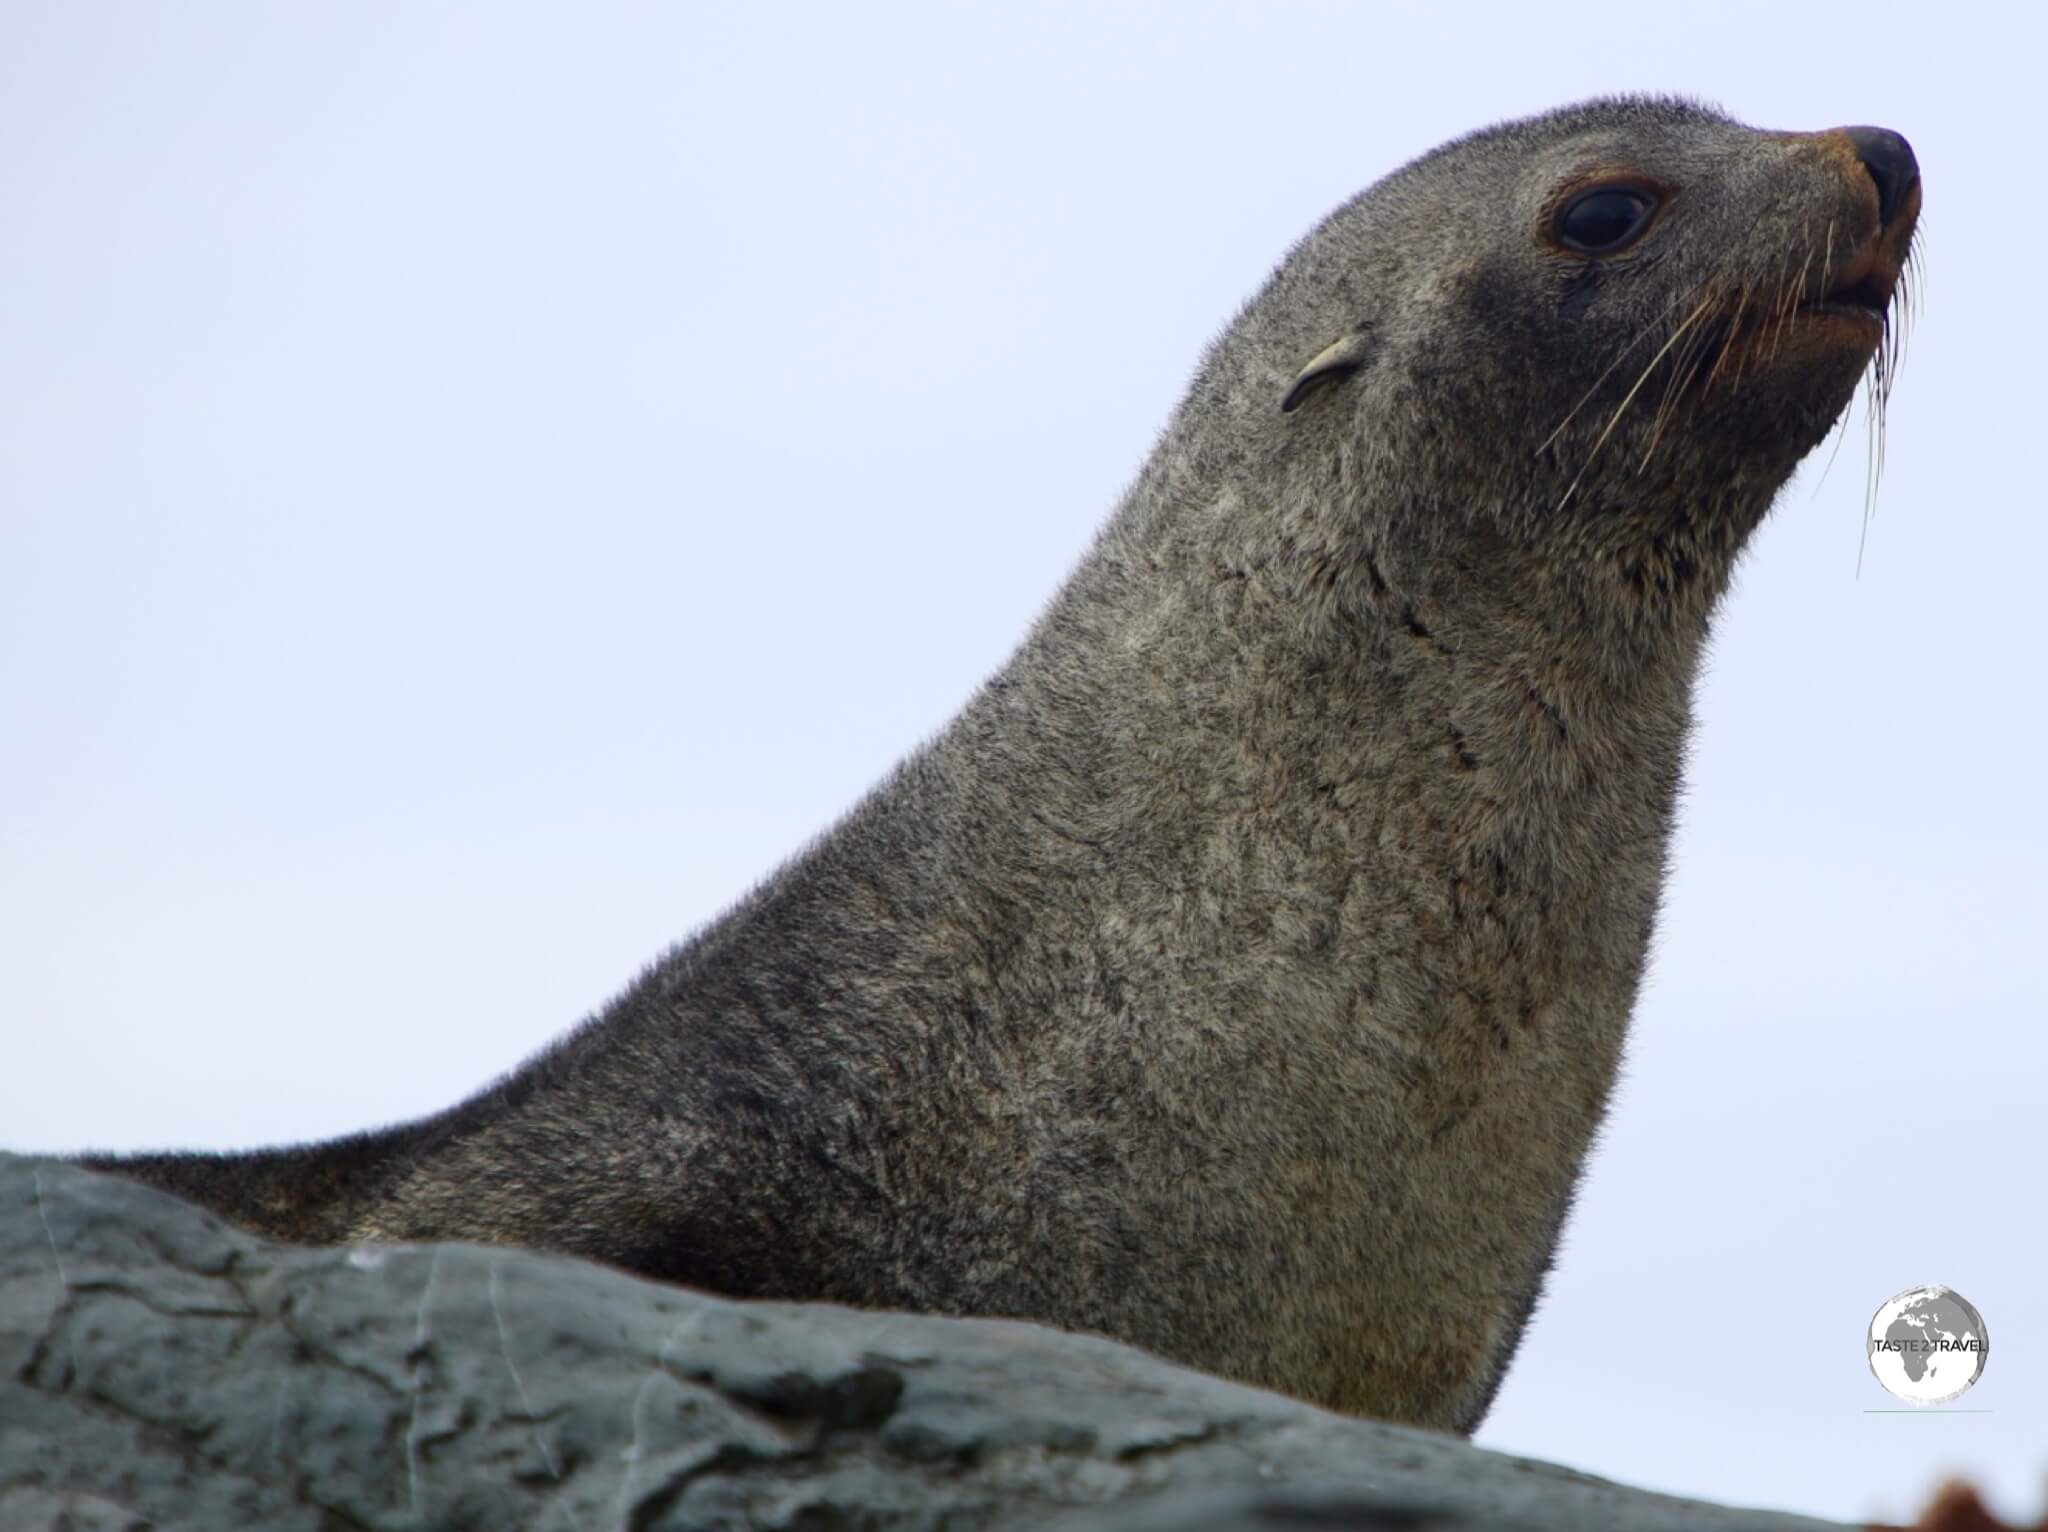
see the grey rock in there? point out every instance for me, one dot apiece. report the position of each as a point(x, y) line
point(160, 1369)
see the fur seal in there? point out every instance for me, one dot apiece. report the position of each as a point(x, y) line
point(1243, 973)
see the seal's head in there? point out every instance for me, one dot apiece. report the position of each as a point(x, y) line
point(1611, 331)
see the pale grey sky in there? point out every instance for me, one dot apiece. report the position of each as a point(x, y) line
point(480, 484)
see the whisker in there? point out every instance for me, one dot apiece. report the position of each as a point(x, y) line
point(1606, 372)
point(1840, 433)
point(1884, 371)
point(1880, 386)
point(1629, 398)
point(1686, 367)
point(1790, 305)
point(1734, 327)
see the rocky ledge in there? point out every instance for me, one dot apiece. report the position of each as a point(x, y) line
point(160, 1369)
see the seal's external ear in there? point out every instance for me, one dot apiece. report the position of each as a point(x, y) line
point(1332, 364)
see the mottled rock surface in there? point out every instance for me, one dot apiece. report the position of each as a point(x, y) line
point(159, 1369)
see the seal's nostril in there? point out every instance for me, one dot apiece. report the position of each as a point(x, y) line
point(1889, 159)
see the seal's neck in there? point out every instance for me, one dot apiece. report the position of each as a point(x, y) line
point(1216, 674)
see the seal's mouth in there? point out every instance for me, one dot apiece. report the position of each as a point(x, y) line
point(1845, 310)
point(1849, 305)
point(1864, 298)
point(1859, 288)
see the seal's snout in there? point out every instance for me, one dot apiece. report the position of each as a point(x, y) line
point(1858, 278)
point(1889, 159)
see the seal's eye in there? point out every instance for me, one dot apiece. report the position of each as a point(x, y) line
point(1605, 220)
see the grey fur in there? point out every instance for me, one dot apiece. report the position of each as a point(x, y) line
point(1244, 972)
